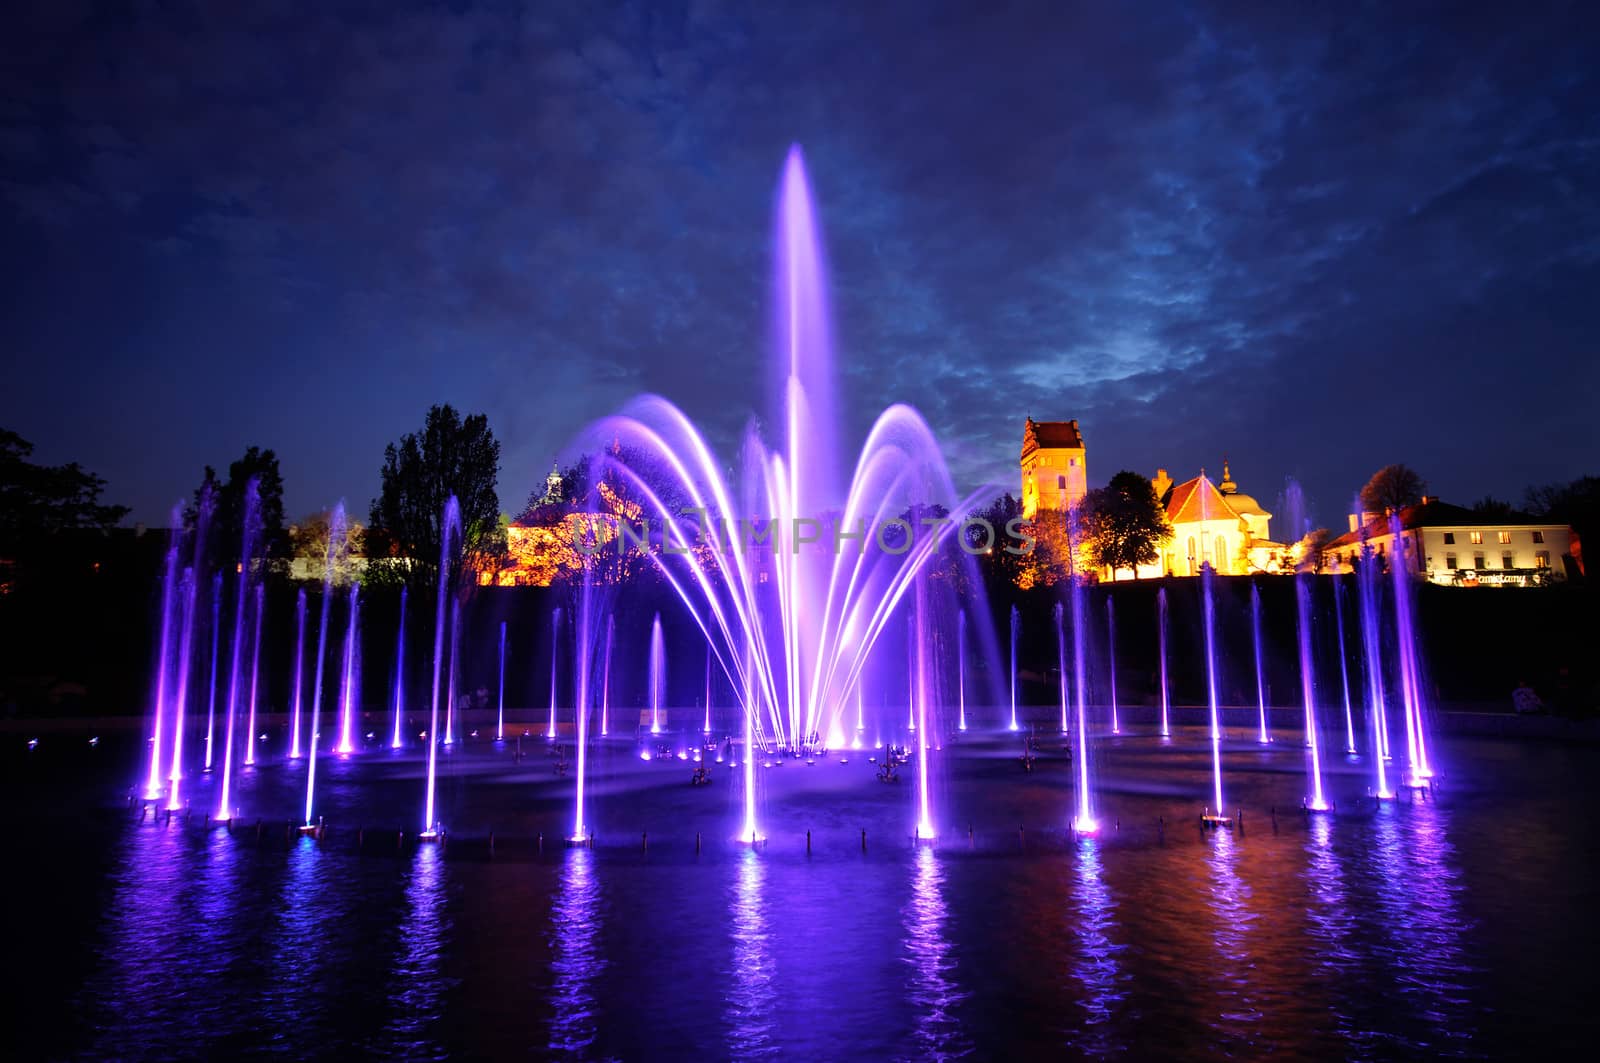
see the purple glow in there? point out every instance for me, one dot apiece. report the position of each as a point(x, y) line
point(169, 589)
point(1316, 801)
point(1016, 622)
point(336, 537)
point(1111, 653)
point(252, 503)
point(925, 827)
point(1264, 737)
point(1406, 648)
point(449, 526)
point(255, 674)
point(1344, 665)
point(1208, 615)
point(400, 671)
point(216, 638)
point(605, 681)
point(500, 712)
point(1367, 590)
point(1084, 822)
point(1161, 638)
point(555, 646)
point(961, 675)
point(185, 643)
point(451, 690)
point(1061, 661)
point(348, 677)
point(658, 673)
point(707, 728)
point(299, 672)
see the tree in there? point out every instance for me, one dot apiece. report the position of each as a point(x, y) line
point(1576, 504)
point(226, 534)
point(1491, 507)
point(309, 541)
point(1312, 549)
point(450, 456)
point(1126, 524)
point(1392, 487)
point(37, 501)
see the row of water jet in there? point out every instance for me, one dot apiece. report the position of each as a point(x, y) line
point(1368, 593)
point(188, 596)
point(1407, 655)
point(330, 561)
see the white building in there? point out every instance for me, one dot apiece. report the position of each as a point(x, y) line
point(1451, 545)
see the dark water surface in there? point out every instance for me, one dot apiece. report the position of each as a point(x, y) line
point(1464, 926)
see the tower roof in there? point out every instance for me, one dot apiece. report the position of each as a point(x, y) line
point(1198, 499)
point(1050, 435)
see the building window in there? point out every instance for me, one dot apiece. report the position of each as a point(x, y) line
point(1507, 560)
point(1476, 537)
point(1477, 560)
point(1072, 463)
point(1061, 483)
point(1222, 555)
point(1504, 537)
point(1541, 559)
point(1450, 561)
point(1449, 538)
point(1538, 536)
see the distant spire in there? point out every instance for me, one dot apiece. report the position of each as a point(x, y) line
point(1227, 486)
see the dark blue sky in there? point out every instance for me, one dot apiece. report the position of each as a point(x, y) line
point(1314, 240)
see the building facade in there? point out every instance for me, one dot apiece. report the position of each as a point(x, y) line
point(1216, 525)
point(1055, 473)
point(1452, 545)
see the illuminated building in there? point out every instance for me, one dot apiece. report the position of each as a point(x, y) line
point(1452, 545)
point(1054, 472)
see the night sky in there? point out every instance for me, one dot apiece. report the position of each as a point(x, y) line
point(1312, 239)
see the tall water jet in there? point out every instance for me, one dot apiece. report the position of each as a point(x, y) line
point(1084, 821)
point(169, 593)
point(400, 671)
point(1344, 666)
point(185, 645)
point(1302, 595)
point(452, 691)
point(583, 644)
point(1016, 622)
point(750, 831)
point(255, 675)
point(912, 639)
point(1111, 654)
point(605, 681)
point(555, 643)
point(216, 640)
point(861, 720)
point(961, 674)
point(1418, 768)
point(1161, 640)
point(252, 503)
point(1377, 711)
point(330, 559)
point(449, 526)
point(925, 828)
point(1061, 662)
point(299, 672)
point(707, 728)
point(1264, 735)
point(500, 702)
point(1209, 623)
point(658, 674)
point(348, 682)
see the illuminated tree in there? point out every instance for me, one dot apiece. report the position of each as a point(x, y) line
point(1125, 523)
point(1392, 487)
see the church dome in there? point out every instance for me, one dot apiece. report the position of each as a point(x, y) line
point(1246, 506)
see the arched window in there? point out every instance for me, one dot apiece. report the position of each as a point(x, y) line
point(1222, 554)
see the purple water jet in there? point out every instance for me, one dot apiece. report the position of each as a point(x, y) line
point(452, 691)
point(1344, 665)
point(555, 643)
point(1264, 736)
point(1016, 622)
point(1111, 655)
point(299, 672)
point(169, 592)
point(400, 671)
point(1419, 770)
point(961, 674)
point(348, 678)
point(500, 711)
point(252, 503)
point(185, 645)
point(605, 680)
point(1367, 590)
point(658, 674)
point(449, 532)
point(255, 675)
point(1302, 594)
point(1209, 623)
point(216, 640)
point(1059, 612)
point(1161, 641)
point(330, 559)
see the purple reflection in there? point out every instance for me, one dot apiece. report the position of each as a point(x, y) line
point(1419, 903)
point(578, 960)
point(1096, 963)
point(417, 983)
point(934, 994)
point(1237, 1011)
point(751, 997)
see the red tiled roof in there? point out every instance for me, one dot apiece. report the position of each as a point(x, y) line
point(1051, 434)
point(1198, 499)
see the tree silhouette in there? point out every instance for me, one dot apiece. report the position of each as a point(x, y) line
point(1392, 487)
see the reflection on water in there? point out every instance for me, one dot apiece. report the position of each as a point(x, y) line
point(934, 994)
point(1418, 897)
point(577, 957)
point(1229, 895)
point(1095, 966)
point(416, 981)
point(751, 994)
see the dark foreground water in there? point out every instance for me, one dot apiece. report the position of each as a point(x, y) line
point(1464, 926)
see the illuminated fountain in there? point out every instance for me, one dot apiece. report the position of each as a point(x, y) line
point(216, 640)
point(1209, 623)
point(1315, 801)
point(921, 640)
point(299, 672)
point(961, 675)
point(1083, 822)
point(348, 676)
point(1111, 653)
point(500, 711)
point(1264, 736)
point(400, 672)
point(185, 644)
point(1016, 622)
point(450, 690)
point(153, 788)
point(335, 536)
point(449, 534)
point(585, 644)
point(1161, 639)
point(555, 656)
point(255, 675)
point(605, 681)
point(1061, 662)
point(1344, 666)
point(658, 673)
point(1367, 590)
point(1419, 770)
point(707, 728)
point(252, 501)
